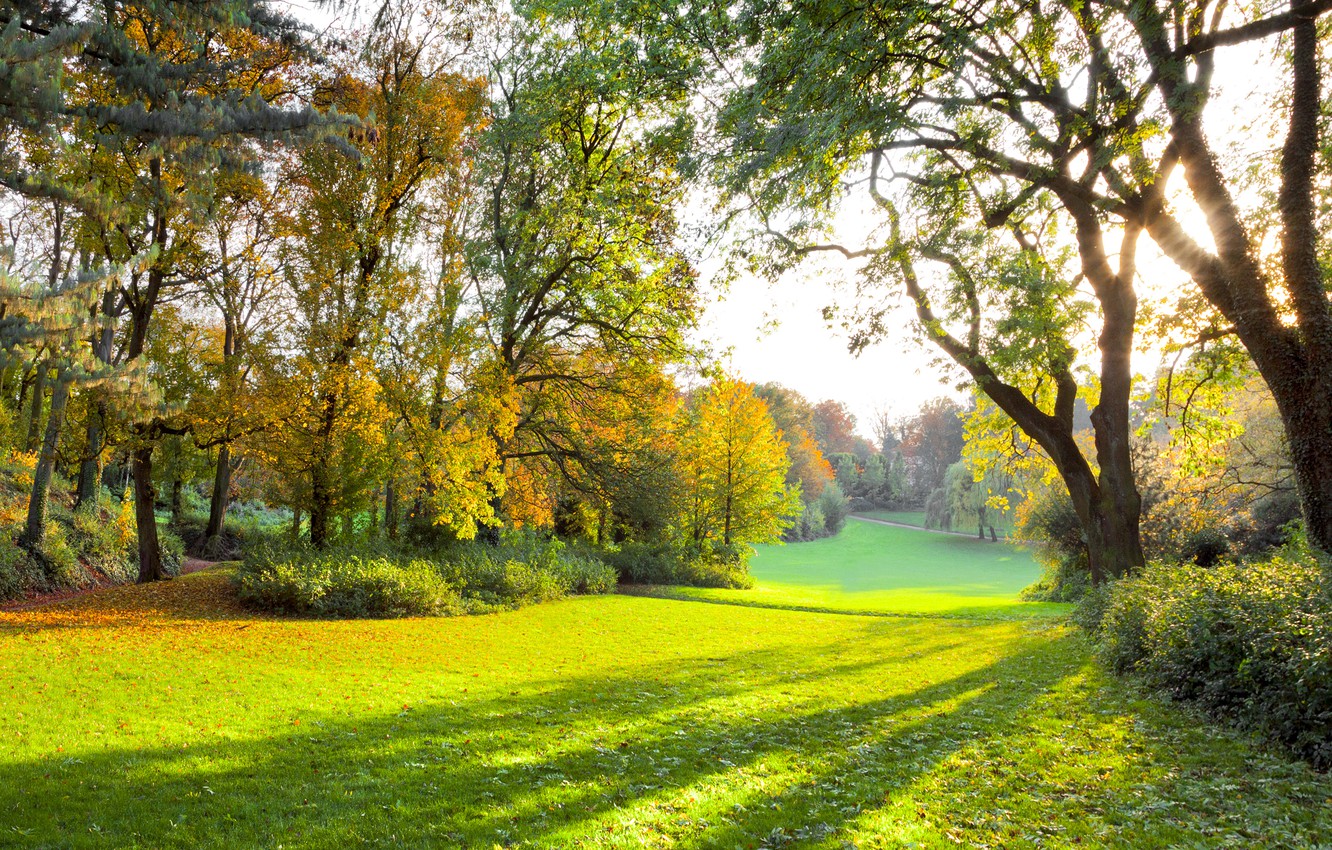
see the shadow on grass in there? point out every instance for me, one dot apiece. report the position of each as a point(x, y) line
point(995, 614)
point(615, 760)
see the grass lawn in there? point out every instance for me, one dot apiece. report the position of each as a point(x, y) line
point(164, 717)
point(917, 518)
point(882, 569)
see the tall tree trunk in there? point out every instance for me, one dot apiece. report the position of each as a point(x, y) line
point(1108, 508)
point(374, 514)
point(89, 485)
point(90, 468)
point(177, 499)
point(34, 531)
point(145, 516)
point(221, 495)
point(296, 525)
point(391, 510)
point(35, 410)
point(321, 505)
point(221, 498)
point(1294, 357)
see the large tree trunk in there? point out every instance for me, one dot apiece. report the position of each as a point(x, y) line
point(1108, 508)
point(34, 531)
point(89, 485)
point(1294, 358)
point(217, 507)
point(90, 468)
point(145, 516)
point(391, 510)
point(321, 506)
point(35, 411)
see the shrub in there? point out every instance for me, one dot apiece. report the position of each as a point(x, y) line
point(102, 545)
point(344, 585)
point(466, 578)
point(172, 549)
point(835, 508)
point(1249, 642)
point(62, 562)
point(666, 563)
point(18, 571)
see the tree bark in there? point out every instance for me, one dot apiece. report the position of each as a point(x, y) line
point(217, 507)
point(145, 516)
point(391, 510)
point(1109, 509)
point(34, 531)
point(90, 467)
point(89, 486)
point(35, 409)
point(320, 506)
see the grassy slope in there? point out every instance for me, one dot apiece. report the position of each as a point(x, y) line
point(161, 717)
point(917, 518)
point(879, 568)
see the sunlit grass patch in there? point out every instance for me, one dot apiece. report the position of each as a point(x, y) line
point(601, 722)
point(871, 568)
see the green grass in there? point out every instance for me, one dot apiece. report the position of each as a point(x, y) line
point(164, 717)
point(917, 519)
point(871, 568)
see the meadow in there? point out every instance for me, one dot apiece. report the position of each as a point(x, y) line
point(167, 716)
point(966, 525)
point(876, 569)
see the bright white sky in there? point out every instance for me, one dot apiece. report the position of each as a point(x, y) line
point(777, 333)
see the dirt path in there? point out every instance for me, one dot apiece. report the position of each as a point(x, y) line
point(918, 528)
point(41, 600)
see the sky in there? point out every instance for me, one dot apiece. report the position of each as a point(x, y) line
point(776, 332)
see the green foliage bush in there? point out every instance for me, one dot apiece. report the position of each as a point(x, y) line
point(466, 578)
point(339, 584)
point(667, 563)
point(101, 545)
point(835, 507)
point(823, 517)
point(1248, 642)
point(19, 573)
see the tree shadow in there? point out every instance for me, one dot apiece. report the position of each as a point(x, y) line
point(727, 752)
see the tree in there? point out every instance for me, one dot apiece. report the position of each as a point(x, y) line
point(155, 96)
point(931, 441)
point(983, 93)
point(984, 180)
point(356, 216)
point(735, 468)
point(794, 418)
point(574, 255)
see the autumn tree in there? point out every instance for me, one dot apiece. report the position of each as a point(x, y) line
point(794, 417)
point(931, 440)
point(357, 215)
point(984, 180)
point(154, 97)
point(984, 92)
point(574, 255)
point(735, 467)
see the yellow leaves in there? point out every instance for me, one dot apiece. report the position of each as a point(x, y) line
point(735, 467)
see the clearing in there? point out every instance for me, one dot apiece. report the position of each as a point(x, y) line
point(164, 717)
point(881, 569)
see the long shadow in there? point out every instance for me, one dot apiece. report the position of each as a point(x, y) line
point(997, 614)
point(690, 750)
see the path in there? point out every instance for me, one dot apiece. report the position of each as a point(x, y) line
point(919, 528)
point(55, 597)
